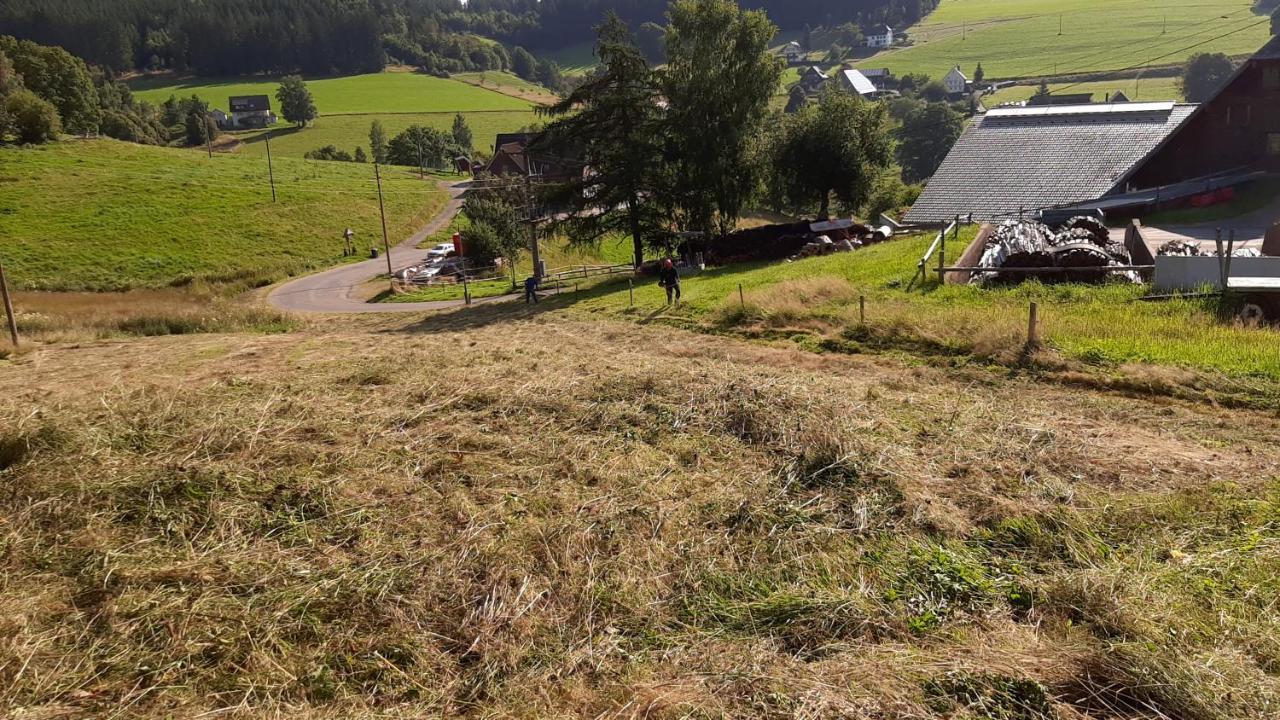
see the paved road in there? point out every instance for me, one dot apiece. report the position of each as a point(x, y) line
point(330, 291)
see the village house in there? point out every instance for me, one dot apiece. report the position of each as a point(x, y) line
point(956, 82)
point(1120, 157)
point(250, 111)
point(793, 53)
point(512, 156)
point(812, 79)
point(879, 37)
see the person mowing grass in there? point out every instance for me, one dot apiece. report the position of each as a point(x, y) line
point(669, 278)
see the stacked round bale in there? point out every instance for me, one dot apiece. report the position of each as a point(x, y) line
point(1082, 242)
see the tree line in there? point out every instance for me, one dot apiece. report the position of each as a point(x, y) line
point(241, 37)
point(650, 153)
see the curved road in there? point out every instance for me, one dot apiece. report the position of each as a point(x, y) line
point(329, 291)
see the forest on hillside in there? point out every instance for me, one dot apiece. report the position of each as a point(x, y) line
point(239, 37)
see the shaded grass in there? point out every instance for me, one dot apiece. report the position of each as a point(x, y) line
point(107, 215)
point(1255, 196)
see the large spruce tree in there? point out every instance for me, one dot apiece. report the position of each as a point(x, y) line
point(614, 121)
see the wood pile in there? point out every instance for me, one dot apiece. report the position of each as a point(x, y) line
point(1082, 246)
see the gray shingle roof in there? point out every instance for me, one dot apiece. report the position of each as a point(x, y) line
point(1032, 158)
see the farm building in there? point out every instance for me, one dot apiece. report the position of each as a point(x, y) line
point(793, 52)
point(1235, 131)
point(250, 111)
point(854, 81)
point(880, 77)
point(812, 79)
point(879, 37)
point(512, 156)
point(1114, 156)
point(1022, 159)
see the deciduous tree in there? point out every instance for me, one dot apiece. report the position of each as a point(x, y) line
point(835, 147)
point(718, 81)
point(33, 119)
point(924, 139)
point(296, 104)
point(1205, 74)
point(378, 142)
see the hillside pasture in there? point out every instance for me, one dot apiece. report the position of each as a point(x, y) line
point(106, 215)
point(387, 92)
point(574, 60)
point(347, 132)
point(1020, 38)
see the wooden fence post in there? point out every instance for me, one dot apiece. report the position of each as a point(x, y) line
point(1033, 327)
point(742, 299)
point(8, 308)
point(862, 310)
point(631, 291)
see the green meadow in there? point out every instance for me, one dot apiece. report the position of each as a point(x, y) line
point(387, 92)
point(107, 215)
point(1021, 38)
point(574, 60)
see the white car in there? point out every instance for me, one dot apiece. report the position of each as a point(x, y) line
point(442, 250)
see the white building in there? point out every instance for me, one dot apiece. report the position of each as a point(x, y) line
point(880, 37)
point(956, 81)
point(853, 81)
point(793, 52)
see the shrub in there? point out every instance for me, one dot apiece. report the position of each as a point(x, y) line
point(34, 120)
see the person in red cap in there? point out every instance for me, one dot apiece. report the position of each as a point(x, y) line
point(669, 278)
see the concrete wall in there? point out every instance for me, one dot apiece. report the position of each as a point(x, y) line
point(1189, 273)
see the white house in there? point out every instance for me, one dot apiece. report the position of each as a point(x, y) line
point(956, 81)
point(793, 52)
point(880, 37)
point(251, 111)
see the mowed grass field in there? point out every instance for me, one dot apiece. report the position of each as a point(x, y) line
point(574, 60)
point(107, 215)
point(1137, 89)
point(347, 132)
point(387, 92)
point(1020, 38)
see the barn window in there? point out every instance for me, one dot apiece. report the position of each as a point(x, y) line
point(1239, 114)
point(1273, 143)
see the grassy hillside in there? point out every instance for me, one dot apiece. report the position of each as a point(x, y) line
point(109, 215)
point(506, 513)
point(388, 92)
point(507, 84)
point(347, 132)
point(574, 60)
point(1102, 328)
point(1019, 38)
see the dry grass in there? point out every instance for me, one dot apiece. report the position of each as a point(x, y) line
point(46, 317)
point(547, 518)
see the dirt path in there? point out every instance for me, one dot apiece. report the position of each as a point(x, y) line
point(330, 291)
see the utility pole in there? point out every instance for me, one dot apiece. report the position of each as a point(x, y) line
point(386, 245)
point(271, 173)
point(533, 228)
point(8, 308)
